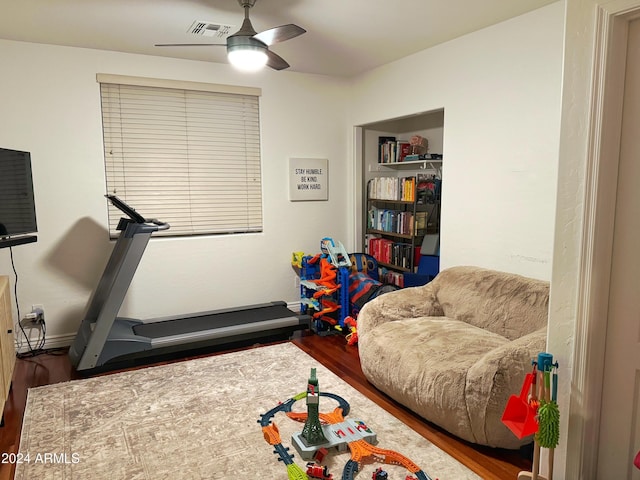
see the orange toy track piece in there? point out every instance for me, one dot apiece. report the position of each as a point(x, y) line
point(299, 416)
point(325, 291)
point(327, 279)
point(328, 307)
point(315, 258)
point(327, 274)
point(361, 449)
point(326, 418)
point(334, 417)
point(271, 434)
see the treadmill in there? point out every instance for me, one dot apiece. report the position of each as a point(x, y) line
point(104, 338)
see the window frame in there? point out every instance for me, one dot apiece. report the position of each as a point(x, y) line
point(220, 189)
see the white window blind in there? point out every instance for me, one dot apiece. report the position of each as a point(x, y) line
point(189, 157)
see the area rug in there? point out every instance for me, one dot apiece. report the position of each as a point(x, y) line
point(198, 419)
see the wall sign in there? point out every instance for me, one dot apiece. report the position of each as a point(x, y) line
point(308, 179)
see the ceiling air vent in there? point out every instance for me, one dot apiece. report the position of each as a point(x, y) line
point(210, 29)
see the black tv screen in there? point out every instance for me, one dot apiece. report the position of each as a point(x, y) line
point(17, 205)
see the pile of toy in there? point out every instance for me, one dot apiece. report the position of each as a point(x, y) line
point(335, 285)
point(326, 432)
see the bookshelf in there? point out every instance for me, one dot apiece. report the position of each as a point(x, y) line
point(402, 191)
point(399, 214)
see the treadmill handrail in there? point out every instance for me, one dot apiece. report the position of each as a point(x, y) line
point(151, 225)
point(159, 224)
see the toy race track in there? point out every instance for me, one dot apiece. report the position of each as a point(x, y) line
point(338, 434)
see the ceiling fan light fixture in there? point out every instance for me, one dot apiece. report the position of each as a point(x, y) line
point(249, 58)
point(248, 50)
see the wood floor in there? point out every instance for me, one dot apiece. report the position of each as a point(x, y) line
point(331, 351)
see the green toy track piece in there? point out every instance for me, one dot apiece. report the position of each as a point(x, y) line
point(294, 472)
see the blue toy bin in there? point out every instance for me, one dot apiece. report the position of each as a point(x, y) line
point(429, 265)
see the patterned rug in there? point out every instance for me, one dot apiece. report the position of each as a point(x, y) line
point(198, 419)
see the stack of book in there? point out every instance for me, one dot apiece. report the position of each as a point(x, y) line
point(396, 221)
point(391, 150)
point(392, 188)
point(390, 252)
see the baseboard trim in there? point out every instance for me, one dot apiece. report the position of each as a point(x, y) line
point(59, 341)
point(53, 341)
point(294, 306)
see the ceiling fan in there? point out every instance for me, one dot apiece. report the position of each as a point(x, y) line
point(248, 49)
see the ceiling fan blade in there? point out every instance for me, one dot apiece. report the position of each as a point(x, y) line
point(190, 45)
point(279, 34)
point(275, 61)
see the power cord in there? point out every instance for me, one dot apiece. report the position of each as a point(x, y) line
point(42, 327)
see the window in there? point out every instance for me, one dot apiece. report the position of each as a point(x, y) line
point(186, 153)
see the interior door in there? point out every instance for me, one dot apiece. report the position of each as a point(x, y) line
point(620, 416)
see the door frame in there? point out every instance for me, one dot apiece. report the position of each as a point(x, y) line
point(600, 190)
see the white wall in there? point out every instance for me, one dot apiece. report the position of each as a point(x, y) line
point(50, 106)
point(500, 90)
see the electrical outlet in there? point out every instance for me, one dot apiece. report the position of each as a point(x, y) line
point(38, 310)
point(296, 281)
point(30, 321)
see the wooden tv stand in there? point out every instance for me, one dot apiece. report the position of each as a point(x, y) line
point(7, 342)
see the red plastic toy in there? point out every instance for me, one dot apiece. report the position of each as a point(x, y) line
point(320, 454)
point(318, 471)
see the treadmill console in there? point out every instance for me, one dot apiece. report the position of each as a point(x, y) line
point(126, 209)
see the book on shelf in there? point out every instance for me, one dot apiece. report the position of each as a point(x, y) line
point(396, 221)
point(393, 253)
point(383, 148)
point(392, 188)
point(392, 221)
point(391, 150)
point(408, 190)
point(404, 149)
point(420, 222)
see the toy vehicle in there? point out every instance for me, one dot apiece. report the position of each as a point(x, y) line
point(379, 474)
point(318, 471)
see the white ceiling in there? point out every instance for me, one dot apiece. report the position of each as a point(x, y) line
point(344, 37)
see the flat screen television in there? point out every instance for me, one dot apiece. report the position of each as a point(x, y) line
point(17, 204)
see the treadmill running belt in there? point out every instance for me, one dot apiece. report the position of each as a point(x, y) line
point(202, 322)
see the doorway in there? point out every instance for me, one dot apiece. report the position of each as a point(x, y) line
point(619, 438)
